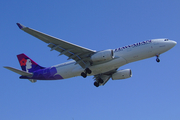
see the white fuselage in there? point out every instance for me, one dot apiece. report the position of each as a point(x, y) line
point(122, 56)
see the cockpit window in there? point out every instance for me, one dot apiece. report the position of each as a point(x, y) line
point(166, 39)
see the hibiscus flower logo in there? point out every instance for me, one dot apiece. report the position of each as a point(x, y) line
point(23, 62)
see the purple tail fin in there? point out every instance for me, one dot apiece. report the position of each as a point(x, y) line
point(27, 64)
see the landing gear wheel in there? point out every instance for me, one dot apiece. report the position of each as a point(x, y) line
point(84, 75)
point(157, 59)
point(88, 71)
point(101, 80)
point(96, 84)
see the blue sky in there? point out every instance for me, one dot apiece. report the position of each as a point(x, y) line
point(152, 92)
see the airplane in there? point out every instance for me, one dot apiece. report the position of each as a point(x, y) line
point(103, 65)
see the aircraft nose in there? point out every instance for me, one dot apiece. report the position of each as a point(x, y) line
point(173, 43)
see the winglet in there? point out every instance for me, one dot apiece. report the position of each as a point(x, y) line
point(20, 25)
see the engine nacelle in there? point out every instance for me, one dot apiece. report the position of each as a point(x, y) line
point(105, 55)
point(122, 74)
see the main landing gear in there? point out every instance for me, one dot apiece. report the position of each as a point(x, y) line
point(84, 74)
point(157, 59)
point(98, 82)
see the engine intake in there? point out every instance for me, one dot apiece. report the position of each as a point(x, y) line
point(105, 55)
point(122, 74)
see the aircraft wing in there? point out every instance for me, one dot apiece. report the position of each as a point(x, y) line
point(80, 54)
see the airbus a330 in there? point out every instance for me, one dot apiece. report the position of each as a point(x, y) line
point(103, 65)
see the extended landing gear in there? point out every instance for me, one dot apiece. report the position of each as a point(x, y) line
point(87, 70)
point(157, 59)
point(96, 84)
point(99, 81)
point(84, 74)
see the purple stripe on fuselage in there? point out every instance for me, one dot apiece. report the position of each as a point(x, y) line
point(45, 74)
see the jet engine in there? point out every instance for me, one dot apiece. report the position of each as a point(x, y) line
point(105, 55)
point(122, 74)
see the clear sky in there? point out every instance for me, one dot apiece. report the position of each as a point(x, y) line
point(153, 92)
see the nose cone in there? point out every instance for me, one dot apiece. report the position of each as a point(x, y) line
point(173, 43)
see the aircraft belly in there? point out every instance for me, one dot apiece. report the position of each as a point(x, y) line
point(105, 67)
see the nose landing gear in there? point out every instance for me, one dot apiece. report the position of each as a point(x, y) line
point(157, 59)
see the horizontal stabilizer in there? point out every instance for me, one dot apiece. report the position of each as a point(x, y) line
point(23, 73)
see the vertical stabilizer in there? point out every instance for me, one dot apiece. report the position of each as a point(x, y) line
point(27, 64)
